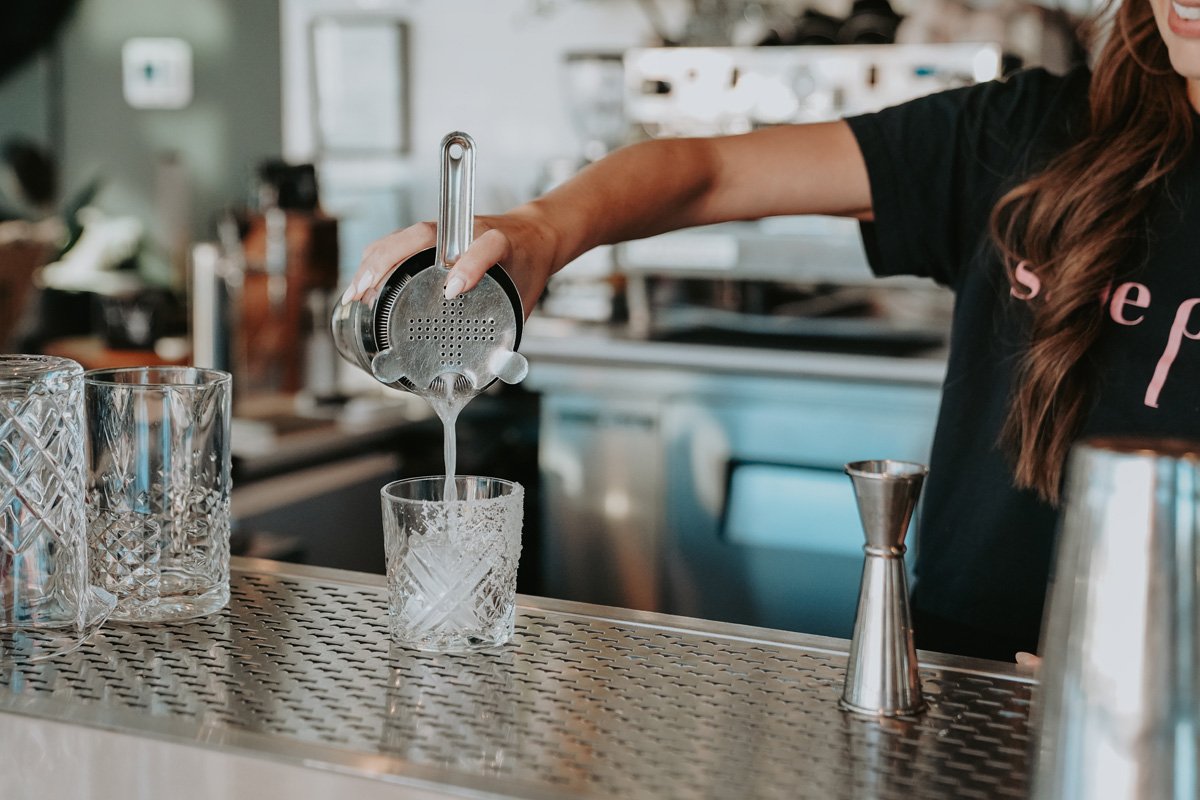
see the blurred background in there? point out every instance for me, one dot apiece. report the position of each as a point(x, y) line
point(193, 181)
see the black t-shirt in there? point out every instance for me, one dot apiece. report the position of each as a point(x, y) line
point(937, 166)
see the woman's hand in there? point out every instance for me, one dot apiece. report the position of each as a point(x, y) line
point(519, 240)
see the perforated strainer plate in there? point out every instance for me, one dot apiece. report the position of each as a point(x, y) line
point(429, 336)
point(586, 701)
point(452, 332)
point(470, 338)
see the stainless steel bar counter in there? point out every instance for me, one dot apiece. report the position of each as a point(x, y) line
point(586, 702)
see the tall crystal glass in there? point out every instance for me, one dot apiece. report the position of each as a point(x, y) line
point(158, 489)
point(452, 565)
point(46, 604)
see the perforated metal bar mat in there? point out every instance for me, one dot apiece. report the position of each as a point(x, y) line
point(586, 701)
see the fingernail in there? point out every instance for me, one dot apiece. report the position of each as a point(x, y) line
point(346, 295)
point(454, 287)
point(364, 283)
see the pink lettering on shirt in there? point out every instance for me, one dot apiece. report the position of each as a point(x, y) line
point(1025, 277)
point(1129, 294)
point(1174, 340)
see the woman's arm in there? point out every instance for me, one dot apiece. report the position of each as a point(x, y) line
point(647, 189)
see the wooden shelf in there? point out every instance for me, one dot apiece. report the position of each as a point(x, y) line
point(93, 353)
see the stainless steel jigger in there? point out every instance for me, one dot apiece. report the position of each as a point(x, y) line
point(881, 675)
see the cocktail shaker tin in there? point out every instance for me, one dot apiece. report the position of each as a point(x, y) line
point(408, 336)
point(1118, 708)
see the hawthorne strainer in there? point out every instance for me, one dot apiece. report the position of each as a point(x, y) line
point(409, 336)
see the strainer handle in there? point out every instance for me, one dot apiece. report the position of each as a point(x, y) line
point(456, 208)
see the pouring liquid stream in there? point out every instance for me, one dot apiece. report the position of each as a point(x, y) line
point(448, 405)
point(440, 560)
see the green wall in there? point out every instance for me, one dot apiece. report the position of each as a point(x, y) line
point(24, 110)
point(234, 119)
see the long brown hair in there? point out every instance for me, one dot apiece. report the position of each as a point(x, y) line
point(1076, 222)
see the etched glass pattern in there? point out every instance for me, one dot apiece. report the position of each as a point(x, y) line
point(158, 489)
point(45, 603)
point(452, 566)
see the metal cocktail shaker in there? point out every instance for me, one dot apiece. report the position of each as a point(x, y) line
point(1118, 707)
point(408, 336)
point(881, 674)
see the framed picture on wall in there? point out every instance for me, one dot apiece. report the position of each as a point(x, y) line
point(360, 88)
